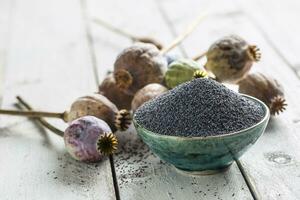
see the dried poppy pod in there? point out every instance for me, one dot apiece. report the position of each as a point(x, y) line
point(143, 63)
point(89, 139)
point(265, 88)
point(137, 66)
point(109, 89)
point(99, 106)
point(180, 71)
point(231, 58)
point(146, 93)
point(91, 105)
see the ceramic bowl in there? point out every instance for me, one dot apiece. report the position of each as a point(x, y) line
point(204, 155)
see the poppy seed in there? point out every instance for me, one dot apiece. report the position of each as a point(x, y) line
point(201, 107)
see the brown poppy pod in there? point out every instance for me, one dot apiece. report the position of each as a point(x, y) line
point(231, 58)
point(265, 88)
point(99, 106)
point(95, 105)
point(109, 89)
point(137, 66)
point(146, 93)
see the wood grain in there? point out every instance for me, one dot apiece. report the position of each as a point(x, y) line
point(48, 63)
point(278, 26)
point(272, 164)
point(48, 59)
point(5, 19)
point(141, 175)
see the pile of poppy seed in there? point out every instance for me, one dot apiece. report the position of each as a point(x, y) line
point(201, 107)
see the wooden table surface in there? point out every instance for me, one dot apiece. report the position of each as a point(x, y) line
point(51, 53)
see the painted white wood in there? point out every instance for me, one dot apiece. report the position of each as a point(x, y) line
point(141, 175)
point(5, 18)
point(48, 63)
point(278, 25)
point(273, 162)
point(279, 148)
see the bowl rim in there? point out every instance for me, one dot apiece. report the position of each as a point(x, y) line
point(265, 118)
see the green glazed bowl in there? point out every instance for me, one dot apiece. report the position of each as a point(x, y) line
point(204, 155)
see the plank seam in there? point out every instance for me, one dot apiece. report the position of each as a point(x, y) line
point(170, 25)
point(265, 36)
point(92, 51)
point(249, 183)
point(90, 40)
point(3, 52)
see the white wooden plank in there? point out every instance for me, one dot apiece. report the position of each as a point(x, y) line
point(278, 25)
point(141, 175)
point(48, 63)
point(272, 163)
point(5, 18)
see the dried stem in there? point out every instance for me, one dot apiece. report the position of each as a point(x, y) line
point(115, 29)
point(39, 119)
point(199, 56)
point(32, 113)
point(182, 36)
point(131, 36)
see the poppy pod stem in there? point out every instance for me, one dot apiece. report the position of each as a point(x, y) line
point(186, 33)
point(31, 113)
point(115, 29)
point(40, 120)
point(131, 36)
point(106, 144)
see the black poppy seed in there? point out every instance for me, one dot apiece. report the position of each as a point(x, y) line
point(201, 107)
